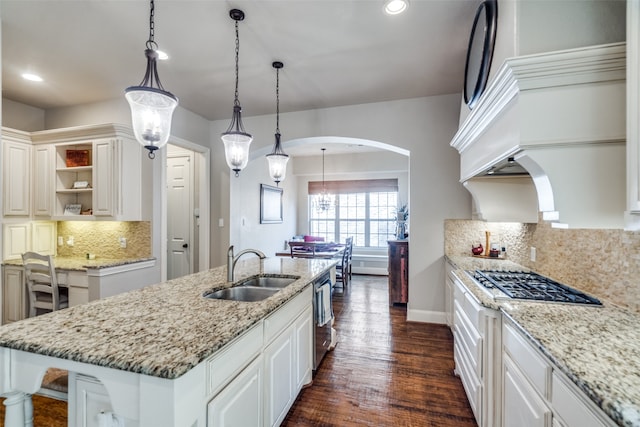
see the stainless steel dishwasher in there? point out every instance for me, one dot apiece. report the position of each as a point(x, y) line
point(322, 317)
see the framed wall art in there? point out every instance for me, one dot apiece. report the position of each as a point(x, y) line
point(270, 204)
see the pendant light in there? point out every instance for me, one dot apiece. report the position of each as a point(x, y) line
point(277, 158)
point(236, 140)
point(324, 200)
point(151, 105)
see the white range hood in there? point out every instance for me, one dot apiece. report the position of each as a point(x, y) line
point(561, 116)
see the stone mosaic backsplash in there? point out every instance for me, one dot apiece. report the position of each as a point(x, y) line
point(601, 262)
point(102, 238)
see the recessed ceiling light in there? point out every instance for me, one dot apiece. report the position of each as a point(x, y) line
point(162, 55)
point(31, 77)
point(394, 7)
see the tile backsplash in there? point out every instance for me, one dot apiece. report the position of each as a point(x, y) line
point(102, 238)
point(601, 262)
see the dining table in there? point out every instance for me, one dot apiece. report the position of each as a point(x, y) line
point(323, 250)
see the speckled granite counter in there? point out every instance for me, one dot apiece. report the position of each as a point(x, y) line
point(161, 330)
point(598, 348)
point(83, 264)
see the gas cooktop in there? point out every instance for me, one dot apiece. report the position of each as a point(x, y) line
point(531, 286)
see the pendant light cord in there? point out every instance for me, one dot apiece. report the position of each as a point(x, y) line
point(151, 44)
point(236, 102)
point(277, 100)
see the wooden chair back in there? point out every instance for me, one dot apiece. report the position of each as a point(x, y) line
point(42, 285)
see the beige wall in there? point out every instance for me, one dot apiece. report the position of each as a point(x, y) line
point(605, 263)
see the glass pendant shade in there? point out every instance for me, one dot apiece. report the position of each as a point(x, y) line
point(151, 106)
point(278, 162)
point(277, 158)
point(236, 145)
point(236, 140)
point(151, 113)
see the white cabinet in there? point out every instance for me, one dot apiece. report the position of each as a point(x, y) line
point(88, 401)
point(16, 175)
point(14, 294)
point(633, 110)
point(104, 177)
point(68, 173)
point(43, 175)
point(536, 393)
point(101, 168)
point(288, 357)
point(522, 406)
point(477, 351)
point(448, 293)
point(239, 403)
point(303, 349)
point(78, 284)
point(279, 364)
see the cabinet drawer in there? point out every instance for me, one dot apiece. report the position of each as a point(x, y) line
point(469, 339)
point(470, 381)
point(568, 403)
point(535, 368)
point(285, 315)
point(225, 365)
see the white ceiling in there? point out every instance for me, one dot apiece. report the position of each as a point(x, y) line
point(335, 52)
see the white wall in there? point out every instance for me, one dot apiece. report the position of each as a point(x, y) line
point(245, 226)
point(424, 126)
point(21, 116)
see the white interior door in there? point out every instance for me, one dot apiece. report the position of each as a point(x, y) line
point(179, 216)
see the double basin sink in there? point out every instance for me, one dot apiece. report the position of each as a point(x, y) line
point(252, 289)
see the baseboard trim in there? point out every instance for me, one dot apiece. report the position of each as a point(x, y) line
point(369, 270)
point(425, 316)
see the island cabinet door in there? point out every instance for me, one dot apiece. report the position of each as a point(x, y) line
point(279, 363)
point(304, 348)
point(240, 402)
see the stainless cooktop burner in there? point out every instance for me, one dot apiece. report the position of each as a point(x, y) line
point(531, 286)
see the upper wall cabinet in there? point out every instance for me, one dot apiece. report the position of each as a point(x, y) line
point(16, 173)
point(82, 173)
point(633, 113)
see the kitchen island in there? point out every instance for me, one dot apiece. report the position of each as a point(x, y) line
point(595, 348)
point(154, 349)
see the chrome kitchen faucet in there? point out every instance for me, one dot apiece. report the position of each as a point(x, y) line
point(231, 260)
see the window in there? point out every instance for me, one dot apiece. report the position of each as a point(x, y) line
point(367, 213)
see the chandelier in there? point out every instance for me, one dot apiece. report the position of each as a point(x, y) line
point(151, 105)
point(324, 201)
point(277, 158)
point(236, 140)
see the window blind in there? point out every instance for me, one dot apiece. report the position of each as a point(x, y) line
point(354, 186)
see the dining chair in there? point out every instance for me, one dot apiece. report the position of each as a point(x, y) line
point(349, 247)
point(342, 269)
point(42, 285)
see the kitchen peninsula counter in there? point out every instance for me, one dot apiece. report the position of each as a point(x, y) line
point(597, 348)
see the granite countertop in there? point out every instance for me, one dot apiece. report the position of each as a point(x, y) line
point(598, 348)
point(162, 330)
point(83, 264)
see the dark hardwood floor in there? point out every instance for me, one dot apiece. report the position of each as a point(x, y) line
point(384, 371)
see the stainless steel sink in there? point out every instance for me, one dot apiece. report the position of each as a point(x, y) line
point(242, 293)
point(278, 282)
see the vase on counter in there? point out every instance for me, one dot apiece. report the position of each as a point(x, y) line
point(401, 229)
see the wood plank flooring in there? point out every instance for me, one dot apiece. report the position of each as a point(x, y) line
point(383, 372)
